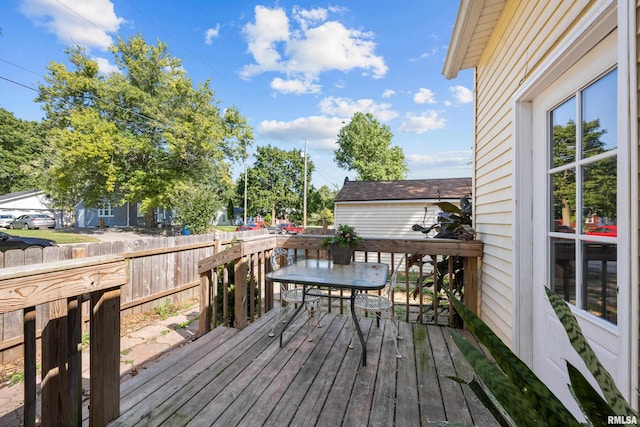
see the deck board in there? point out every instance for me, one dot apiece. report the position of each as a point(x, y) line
point(244, 378)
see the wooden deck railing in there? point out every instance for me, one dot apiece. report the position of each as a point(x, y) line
point(226, 301)
point(64, 285)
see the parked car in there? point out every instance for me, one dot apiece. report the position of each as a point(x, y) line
point(8, 242)
point(6, 220)
point(292, 228)
point(34, 221)
point(277, 229)
point(250, 226)
point(604, 230)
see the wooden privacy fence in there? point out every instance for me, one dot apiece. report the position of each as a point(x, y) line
point(160, 269)
point(249, 295)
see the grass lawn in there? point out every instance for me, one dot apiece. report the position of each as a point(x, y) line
point(225, 228)
point(59, 236)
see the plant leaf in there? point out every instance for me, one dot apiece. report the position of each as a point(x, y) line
point(506, 392)
point(592, 404)
point(549, 407)
point(448, 207)
point(488, 400)
point(614, 398)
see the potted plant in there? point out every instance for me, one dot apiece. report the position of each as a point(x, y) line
point(341, 243)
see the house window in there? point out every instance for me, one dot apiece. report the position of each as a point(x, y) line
point(106, 209)
point(582, 177)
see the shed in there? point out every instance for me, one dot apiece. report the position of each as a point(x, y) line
point(391, 208)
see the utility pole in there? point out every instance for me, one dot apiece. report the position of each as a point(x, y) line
point(245, 193)
point(304, 203)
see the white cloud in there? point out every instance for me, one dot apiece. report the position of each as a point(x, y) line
point(421, 123)
point(314, 47)
point(271, 26)
point(85, 23)
point(306, 17)
point(345, 107)
point(320, 131)
point(296, 87)
point(211, 34)
point(462, 94)
point(388, 93)
point(424, 96)
point(444, 159)
point(105, 66)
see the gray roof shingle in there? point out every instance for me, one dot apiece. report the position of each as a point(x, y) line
point(414, 189)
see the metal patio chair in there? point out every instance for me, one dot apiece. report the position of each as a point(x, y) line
point(291, 294)
point(379, 303)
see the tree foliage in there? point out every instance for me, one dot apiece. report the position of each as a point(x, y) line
point(275, 183)
point(365, 146)
point(21, 147)
point(599, 186)
point(196, 206)
point(138, 134)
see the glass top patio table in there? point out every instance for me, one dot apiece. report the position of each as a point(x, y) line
point(363, 276)
point(356, 276)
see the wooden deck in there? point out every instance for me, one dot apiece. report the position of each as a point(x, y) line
point(231, 377)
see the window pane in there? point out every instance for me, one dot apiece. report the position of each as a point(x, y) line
point(599, 194)
point(563, 273)
point(600, 281)
point(563, 129)
point(563, 200)
point(599, 121)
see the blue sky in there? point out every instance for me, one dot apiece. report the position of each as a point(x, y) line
point(297, 70)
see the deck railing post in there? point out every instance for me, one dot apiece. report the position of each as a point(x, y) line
point(471, 290)
point(74, 333)
point(29, 328)
point(205, 303)
point(56, 408)
point(104, 373)
point(241, 293)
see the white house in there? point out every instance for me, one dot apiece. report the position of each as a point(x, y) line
point(391, 208)
point(540, 68)
point(31, 201)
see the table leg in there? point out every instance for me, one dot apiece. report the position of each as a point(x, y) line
point(357, 325)
point(293, 315)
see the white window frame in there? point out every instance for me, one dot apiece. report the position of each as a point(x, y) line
point(597, 22)
point(106, 210)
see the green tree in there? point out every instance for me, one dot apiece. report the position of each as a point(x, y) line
point(139, 134)
point(365, 146)
point(321, 199)
point(599, 186)
point(196, 207)
point(275, 183)
point(21, 147)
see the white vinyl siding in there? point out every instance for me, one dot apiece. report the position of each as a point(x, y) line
point(386, 219)
point(524, 34)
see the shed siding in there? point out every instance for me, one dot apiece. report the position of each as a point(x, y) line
point(385, 219)
point(523, 36)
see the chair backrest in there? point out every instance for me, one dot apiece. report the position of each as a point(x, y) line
point(281, 257)
point(394, 277)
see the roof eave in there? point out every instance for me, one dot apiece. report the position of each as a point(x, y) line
point(463, 30)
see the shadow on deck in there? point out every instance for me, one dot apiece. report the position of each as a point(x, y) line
point(231, 377)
